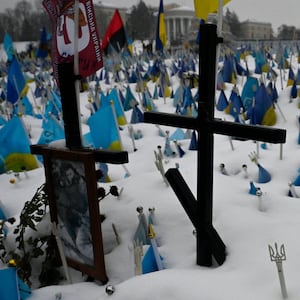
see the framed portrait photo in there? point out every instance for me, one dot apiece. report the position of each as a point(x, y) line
point(72, 188)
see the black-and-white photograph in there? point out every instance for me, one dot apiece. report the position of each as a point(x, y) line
point(72, 207)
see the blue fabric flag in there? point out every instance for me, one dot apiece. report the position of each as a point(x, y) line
point(149, 263)
point(27, 107)
point(8, 46)
point(54, 105)
point(137, 116)
point(263, 175)
point(15, 147)
point(104, 129)
point(249, 90)
point(177, 135)
point(52, 131)
point(2, 213)
point(161, 34)
point(141, 235)
point(228, 69)
point(294, 90)
point(194, 142)
point(130, 101)
point(263, 111)
point(236, 103)
point(114, 96)
point(222, 101)
point(252, 189)
point(15, 82)
point(9, 284)
point(296, 182)
point(42, 51)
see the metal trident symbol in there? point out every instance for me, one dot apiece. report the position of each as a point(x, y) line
point(279, 257)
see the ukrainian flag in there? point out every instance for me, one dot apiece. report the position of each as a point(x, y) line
point(104, 129)
point(15, 152)
point(204, 7)
point(161, 33)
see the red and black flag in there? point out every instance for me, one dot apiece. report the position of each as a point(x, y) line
point(115, 34)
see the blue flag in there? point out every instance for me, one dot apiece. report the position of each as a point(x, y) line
point(249, 90)
point(263, 111)
point(15, 148)
point(130, 101)
point(43, 50)
point(114, 96)
point(27, 107)
point(9, 284)
point(8, 46)
point(104, 129)
point(161, 33)
point(52, 131)
point(16, 84)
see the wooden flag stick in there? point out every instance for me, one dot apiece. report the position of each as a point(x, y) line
point(56, 232)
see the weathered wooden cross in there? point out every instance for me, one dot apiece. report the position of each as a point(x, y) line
point(200, 210)
point(78, 153)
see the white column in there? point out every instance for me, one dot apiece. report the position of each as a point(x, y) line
point(181, 26)
point(172, 29)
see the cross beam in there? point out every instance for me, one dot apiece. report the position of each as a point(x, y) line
point(200, 210)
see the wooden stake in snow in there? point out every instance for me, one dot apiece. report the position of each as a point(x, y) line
point(138, 253)
point(279, 257)
point(56, 232)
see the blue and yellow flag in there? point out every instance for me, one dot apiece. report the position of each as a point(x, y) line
point(15, 152)
point(205, 7)
point(161, 33)
point(16, 83)
point(263, 112)
point(104, 129)
point(114, 96)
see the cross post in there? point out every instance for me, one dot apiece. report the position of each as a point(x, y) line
point(75, 153)
point(200, 210)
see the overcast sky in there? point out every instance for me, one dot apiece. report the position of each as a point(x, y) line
point(276, 12)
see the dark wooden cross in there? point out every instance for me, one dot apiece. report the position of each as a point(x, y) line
point(200, 210)
point(75, 149)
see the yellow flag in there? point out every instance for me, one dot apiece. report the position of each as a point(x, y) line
point(204, 7)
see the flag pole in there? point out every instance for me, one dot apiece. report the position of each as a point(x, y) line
point(76, 59)
point(219, 34)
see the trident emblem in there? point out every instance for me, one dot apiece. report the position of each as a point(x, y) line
point(279, 256)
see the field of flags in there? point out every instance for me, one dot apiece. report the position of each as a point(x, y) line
point(112, 106)
point(255, 84)
point(128, 85)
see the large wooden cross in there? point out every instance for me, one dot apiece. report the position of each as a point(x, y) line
point(78, 153)
point(200, 210)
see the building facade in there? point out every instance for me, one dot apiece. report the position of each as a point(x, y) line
point(180, 21)
point(253, 30)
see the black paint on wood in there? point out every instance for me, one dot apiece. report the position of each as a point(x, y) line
point(70, 109)
point(200, 211)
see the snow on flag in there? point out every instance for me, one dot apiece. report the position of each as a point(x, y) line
point(62, 17)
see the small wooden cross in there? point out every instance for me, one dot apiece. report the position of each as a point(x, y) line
point(200, 210)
